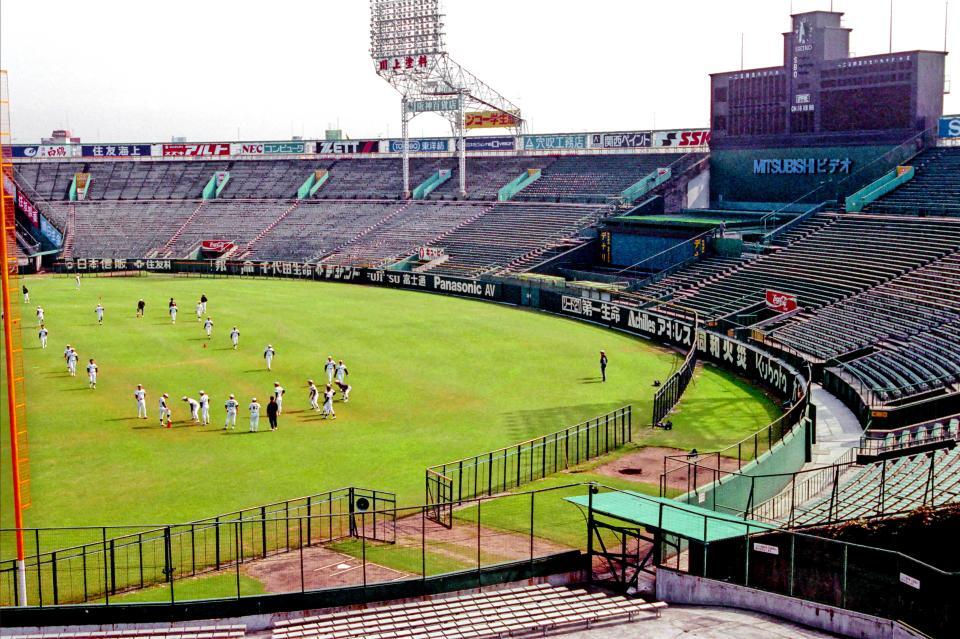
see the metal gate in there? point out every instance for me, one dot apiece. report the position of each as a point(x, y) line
point(439, 498)
point(622, 553)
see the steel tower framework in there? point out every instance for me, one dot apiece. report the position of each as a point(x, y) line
point(408, 47)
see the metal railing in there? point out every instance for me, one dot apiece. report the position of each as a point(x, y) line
point(345, 547)
point(506, 468)
point(82, 564)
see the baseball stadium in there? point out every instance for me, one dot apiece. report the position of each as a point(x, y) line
point(635, 383)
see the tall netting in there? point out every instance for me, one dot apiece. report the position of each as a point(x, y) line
point(12, 324)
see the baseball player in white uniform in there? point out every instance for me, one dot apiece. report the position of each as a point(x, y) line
point(204, 408)
point(173, 313)
point(330, 368)
point(208, 327)
point(194, 408)
point(231, 405)
point(342, 372)
point(166, 416)
point(199, 311)
point(39, 315)
point(92, 373)
point(99, 311)
point(141, 396)
point(328, 403)
point(278, 392)
point(254, 408)
point(268, 354)
point(235, 337)
point(314, 395)
point(72, 358)
point(42, 334)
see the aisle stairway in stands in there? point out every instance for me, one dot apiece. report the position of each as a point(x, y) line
point(496, 613)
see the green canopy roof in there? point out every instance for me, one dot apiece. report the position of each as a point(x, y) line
point(684, 520)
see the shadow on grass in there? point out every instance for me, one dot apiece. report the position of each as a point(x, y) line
point(525, 424)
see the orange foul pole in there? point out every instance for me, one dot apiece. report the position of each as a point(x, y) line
point(10, 261)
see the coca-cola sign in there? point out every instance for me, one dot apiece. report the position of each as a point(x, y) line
point(781, 302)
point(216, 246)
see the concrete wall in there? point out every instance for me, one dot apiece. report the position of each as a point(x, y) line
point(679, 588)
point(698, 191)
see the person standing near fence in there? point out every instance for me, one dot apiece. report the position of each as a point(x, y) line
point(603, 366)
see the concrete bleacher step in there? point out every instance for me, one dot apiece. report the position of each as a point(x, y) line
point(485, 614)
point(170, 632)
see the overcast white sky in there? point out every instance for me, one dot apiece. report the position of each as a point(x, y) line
point(131, 70)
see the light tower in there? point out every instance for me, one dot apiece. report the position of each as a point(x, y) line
point(409, 52)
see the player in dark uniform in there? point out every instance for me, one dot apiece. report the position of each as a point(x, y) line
point(603, 366)
point(140, 306)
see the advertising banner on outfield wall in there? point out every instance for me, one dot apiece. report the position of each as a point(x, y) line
point(554, 142)
point(294, 147)
point(115, 150)
point(681, 138)
point(423, 145)
point(490, 143)
point(195, 150)
point(42, 151)
point(489, 120)
point(628, 140)
point(345, 147)
point(949, 126)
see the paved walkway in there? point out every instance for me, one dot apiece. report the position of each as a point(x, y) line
point(837, 429)
point(704, 622)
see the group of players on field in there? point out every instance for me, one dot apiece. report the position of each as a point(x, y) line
point(336, 373)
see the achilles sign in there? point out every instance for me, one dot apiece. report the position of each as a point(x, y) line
point(781, 302)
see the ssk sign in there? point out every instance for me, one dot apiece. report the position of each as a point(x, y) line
point(781, 302)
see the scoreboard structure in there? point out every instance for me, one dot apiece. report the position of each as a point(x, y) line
point(823, 124)
point(820, 96)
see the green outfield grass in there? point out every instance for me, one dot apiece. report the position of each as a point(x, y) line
point(435, 379)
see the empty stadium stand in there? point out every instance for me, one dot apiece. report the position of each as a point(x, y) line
point(585, 178)
point(125, 229)
point(835, 257)
point(934, 190)
point(897, 485)
point(533, 609)
point(913, 303)
point(514, 235)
